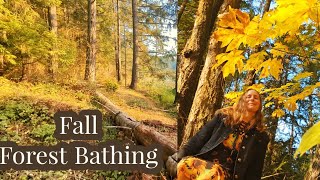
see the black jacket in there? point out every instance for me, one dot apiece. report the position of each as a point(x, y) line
point(250, 159)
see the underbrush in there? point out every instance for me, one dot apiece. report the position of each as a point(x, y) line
point(26, 118)
point(162, 92)
point(54, 96)
point(25, 123)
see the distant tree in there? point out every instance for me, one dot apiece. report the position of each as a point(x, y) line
point(182, 8)
point(118, 43)
point(90, 71)
point(134, 77)
point(53, 26)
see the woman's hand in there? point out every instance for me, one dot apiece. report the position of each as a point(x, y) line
point(171, 165)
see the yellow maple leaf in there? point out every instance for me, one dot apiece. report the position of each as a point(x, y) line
point(235, 43)
point(290, 104)
point(278, 113)
point(257, 87)
point(264, 72)
point(230, 26)
point(314, 14)
point(233, 95)
point(309, 139)
point(302, 76)
point(268, 104)
point(255, 60)
point(224, 35)
point(275, 68)
point(279, 50)
point(317, 47)
point(271, 67)
point(235, 58)
point(221, 58)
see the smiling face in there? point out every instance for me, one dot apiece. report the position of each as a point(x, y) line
point(252, 101)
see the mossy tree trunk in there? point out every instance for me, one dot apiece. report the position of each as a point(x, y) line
point(210, 90)
point(134, 77)
point(192, 59)
point(90, 72)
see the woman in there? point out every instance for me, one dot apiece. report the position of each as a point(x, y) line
point(231, 146)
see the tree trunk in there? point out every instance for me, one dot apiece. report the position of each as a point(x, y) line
point(314, 168)
point(53, 26)
point(90, 72)
point(272, 123)
point(250, 77)
point(266, 7)
point(125, 56)
point(25, 68)
point(291, 140)
point(182, 7)
point(209, 94)
point(176, 97)
point(135, 45)
point(1, 64)
point(143, 134)
point(118, 45)
point(192, 59)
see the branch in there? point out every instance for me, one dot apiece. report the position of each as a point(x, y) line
point(182, 8)
point(301, 45)
point(295, 54)
point(265, 177)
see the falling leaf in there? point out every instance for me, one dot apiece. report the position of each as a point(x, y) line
point(309, 139)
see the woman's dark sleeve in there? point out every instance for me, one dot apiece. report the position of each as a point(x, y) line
point(254, 170)
point(195, 143)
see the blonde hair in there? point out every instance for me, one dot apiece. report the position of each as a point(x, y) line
point(235, 112)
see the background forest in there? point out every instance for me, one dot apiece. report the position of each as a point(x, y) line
point(272, 46)
point(55, 54)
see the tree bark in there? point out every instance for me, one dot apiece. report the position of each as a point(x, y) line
point(250, 78)
point(135, 46)
point(266, 7)
point(192, 59)
point(1, 64)
point(314, 168)
point(90, 72)
point(143, 134)
point(181, 10)
point(210, 90)
point(53, 26)
point(118, 45)
point(125, 56)
point(291, 140)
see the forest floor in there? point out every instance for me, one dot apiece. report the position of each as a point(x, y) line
point(26, 114)
point(142, 108)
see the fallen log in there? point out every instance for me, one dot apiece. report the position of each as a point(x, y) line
point(143, 134)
